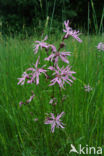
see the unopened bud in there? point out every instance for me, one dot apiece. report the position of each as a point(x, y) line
point(27, 77)
point(62, 44)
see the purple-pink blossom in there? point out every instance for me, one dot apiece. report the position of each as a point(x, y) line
point(54, 121)
point(21, 103)
point(53, 101)
point(69, 32)
point(43, 44)
point(87, 88)
point(55, 56)
point(24, 77)
point(40, 44)
point(52, 47)
point(100, 46)
point(36, 72)
point(34, 75)
point(62, 75)
point(36, 119)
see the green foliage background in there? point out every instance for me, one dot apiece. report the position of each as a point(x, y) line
point(31, 15)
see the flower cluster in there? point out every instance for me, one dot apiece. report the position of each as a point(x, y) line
point(59, 74)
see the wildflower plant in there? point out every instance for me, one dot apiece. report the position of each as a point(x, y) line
point(53, 72)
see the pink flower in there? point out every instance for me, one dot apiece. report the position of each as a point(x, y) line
point(100, 46)
point(53, 48)
point(43, 44)
point(87, 88)
point(70, 32)
point(54, 122)
point(36, 119)
point(62, 75)
point(21, 103)
point(36, 72)
point(22, 80)
point(53, 101)
point(57, 55)
point(40, 44)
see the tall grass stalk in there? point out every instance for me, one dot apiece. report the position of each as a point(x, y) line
point(97, 26)
point(52, 14)
point(94, 17)
point(88, 18)
point(101, 22)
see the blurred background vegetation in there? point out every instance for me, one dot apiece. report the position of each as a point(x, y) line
point(36, 16)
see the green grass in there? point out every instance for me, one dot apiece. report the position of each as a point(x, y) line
point(84, 112)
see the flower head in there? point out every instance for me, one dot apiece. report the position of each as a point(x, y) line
point(87, 88)
point(36, 119)
point(62, 75)
point(53, 101)
point(54, 121)
point(36, 72)
point(55, 56)
point(21, 103)
point(100, 46)
point(40, 44)
point(43, 44)
point(69, 32)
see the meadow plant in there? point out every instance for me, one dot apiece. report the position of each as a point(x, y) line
point(55, 73)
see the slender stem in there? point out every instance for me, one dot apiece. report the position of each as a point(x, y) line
point(88, 17)
point(60, 96)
